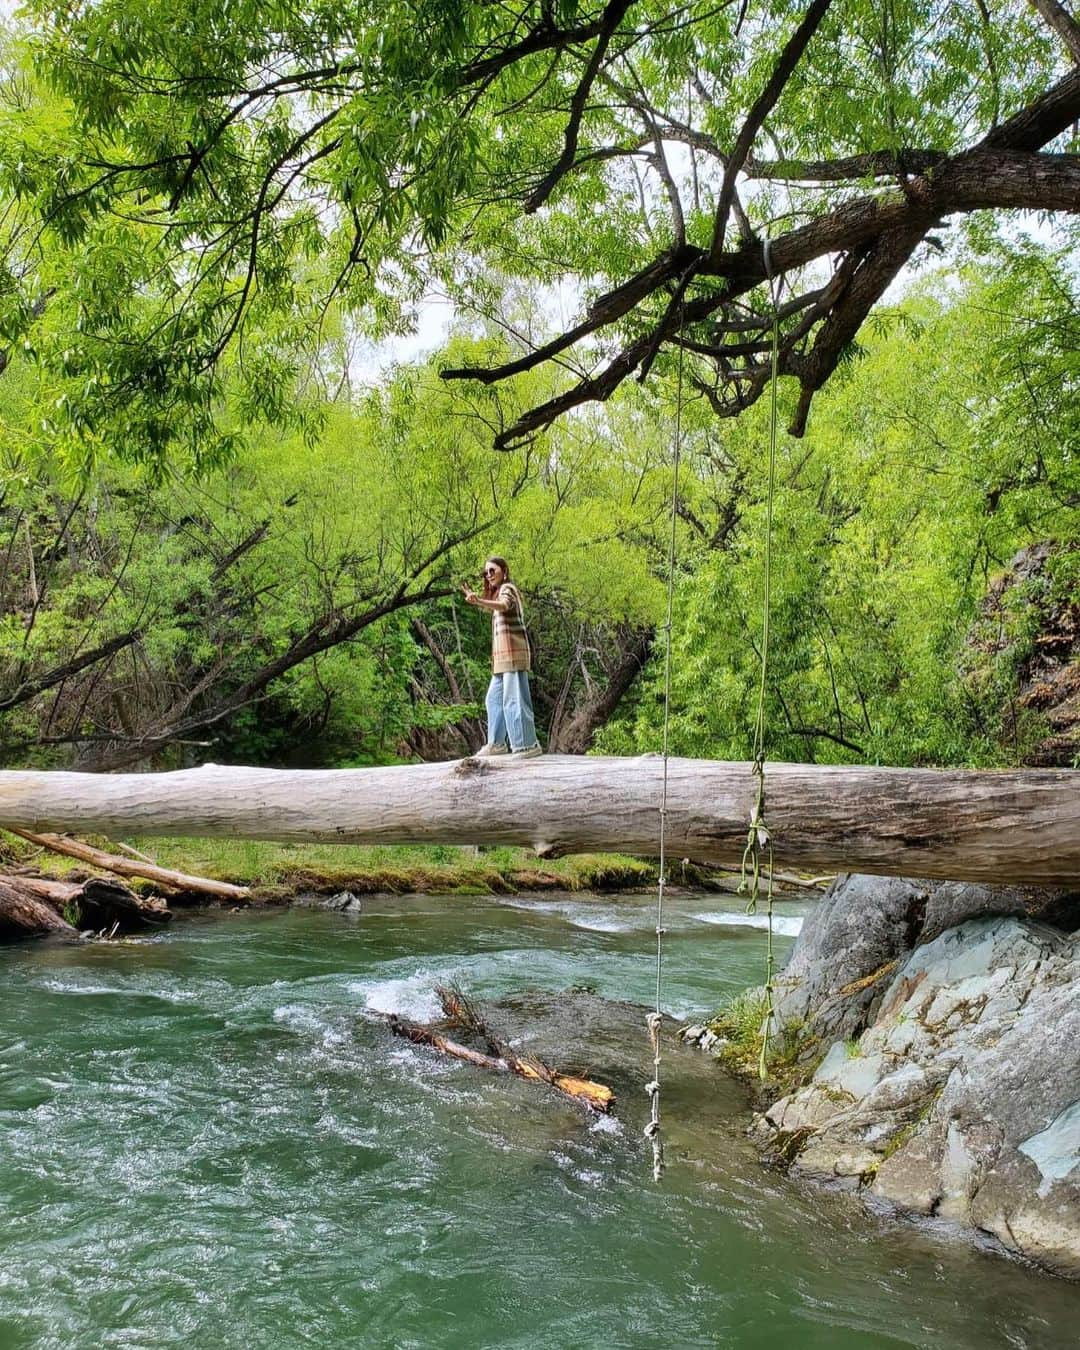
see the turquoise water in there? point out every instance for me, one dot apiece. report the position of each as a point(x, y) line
point(210, 1139)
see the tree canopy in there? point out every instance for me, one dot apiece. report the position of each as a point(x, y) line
point(206, 196)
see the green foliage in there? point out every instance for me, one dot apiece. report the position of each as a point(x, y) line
point(273, 870)
point(236, 584)
point(207, 200)
point(740, 1022)
point(741, 1018)
point(949, 445)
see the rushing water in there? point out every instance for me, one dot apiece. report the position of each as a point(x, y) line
point(209, 1139)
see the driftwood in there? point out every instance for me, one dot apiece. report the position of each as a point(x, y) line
point(122, 867)
point(36, 907)
point(461, 1014)
point(1007, 827)
point(785, 878)
point(595, 1096)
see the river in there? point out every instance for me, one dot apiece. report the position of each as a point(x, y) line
point(210, 1139)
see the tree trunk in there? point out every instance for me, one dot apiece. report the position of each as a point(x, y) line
point(572, 732)
point(1019, 827)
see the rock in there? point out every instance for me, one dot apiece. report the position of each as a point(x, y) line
point(854, 1163)
point(1055, 1151)
point(344, 903)
point(961, 1098)
point(1022, 657)
point(846, 1071)
point(844, 957)
point(861, 925)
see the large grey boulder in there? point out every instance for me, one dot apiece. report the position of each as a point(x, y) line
point(865, 927)
point(862, 925)
point(961, 1098)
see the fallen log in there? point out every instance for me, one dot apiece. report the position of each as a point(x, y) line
point(1015, 826)
point(37, 906)
point(596, 1096)
point(105, 904)
point(122, 867)
point(24, 914)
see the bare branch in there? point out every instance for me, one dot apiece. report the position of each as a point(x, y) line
point(604, 311)
point(1063, 24)
point(763, 105)
point(30, 688)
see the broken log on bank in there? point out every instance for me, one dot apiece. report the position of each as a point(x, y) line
point(24, 914)
point(1020, 827)
point(42, 906)
point(166, 877)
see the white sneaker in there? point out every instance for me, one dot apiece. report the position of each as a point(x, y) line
point(530, 753)
point(486, 751)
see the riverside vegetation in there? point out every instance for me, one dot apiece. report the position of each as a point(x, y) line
point(296, 608)
point(226, 533)
point(277, 872)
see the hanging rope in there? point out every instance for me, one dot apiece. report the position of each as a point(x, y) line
point(654, 1021)
point(758, 839)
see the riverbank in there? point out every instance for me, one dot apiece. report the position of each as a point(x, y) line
point(276, 873)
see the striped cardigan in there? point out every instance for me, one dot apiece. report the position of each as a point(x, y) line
point(509, 640)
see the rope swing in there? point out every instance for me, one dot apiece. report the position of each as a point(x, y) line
point(758, 840)
point(654, 1021)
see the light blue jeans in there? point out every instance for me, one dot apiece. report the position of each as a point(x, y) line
point(510, 711)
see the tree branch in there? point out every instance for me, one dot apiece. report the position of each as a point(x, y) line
point(1063, 24)
point(763, 105)
point(609, 307)
point(875, 164)
point(29, 688)
point(612, 16)
point(542, 38)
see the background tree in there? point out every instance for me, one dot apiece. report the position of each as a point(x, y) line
point(946, 444)
point(298, 604)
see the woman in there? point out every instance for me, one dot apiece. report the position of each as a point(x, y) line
point(509, 703)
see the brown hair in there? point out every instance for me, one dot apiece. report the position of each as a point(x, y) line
point(491, 591)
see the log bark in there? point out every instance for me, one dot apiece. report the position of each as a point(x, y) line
point(24, 914)
point(1019, 827)
point(123, 867)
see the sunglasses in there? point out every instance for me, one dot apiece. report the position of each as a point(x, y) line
point(491, 571)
